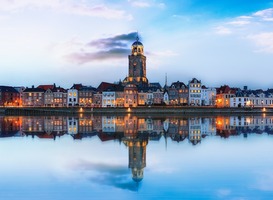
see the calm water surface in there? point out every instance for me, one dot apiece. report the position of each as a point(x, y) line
point(129, 157)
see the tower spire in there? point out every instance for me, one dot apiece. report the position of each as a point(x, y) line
point(137, 38)
point(166, 80)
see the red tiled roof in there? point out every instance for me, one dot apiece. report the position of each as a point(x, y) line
point(46, 87)
point(104, 86)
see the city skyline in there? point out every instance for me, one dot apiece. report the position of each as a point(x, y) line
point(66, 42)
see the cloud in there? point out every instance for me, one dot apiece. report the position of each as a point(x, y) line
point(146, 4)
point(116, 47)
point(118, 41)
point(82, 58)
point(239, 22)
point(117, 176)
point(265, 182)
point(221, 193)
point(70, 7)
point(247, 21)
point(221, 30)
point(266, 15)
point(263, 40)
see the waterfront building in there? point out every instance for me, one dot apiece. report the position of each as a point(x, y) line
point(86, 95)
point(20, 89)
point(9, 96)
point(166, 98)
point(178, 93)
point(223, 96)
point(55, 96)
point(113, 96)
point(195, 92)
point(33, 97)
point(130, 96)
point(97, 99)
point(158, 97)
point(208, 96)
point(260, 98)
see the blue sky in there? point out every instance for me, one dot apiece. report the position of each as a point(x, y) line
point(65, 42)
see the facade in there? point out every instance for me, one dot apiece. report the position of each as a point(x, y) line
point(158, 97)
point(137, 65)
point(86, 96)
point(9, 96)
point(109, 99)
point(223, 96)
point(195, 92)
point(208, 96)
point(72, 97)
point(130, 96)
point(55, 97)
point(178, 93)
point(33, 97)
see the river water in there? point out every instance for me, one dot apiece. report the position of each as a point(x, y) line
point(136, 157)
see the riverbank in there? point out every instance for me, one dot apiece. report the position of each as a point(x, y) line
point(138, 110)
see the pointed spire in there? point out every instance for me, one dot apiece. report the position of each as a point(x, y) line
point(166, 79)
point(137, 38)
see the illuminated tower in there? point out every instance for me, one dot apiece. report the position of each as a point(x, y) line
point(137, 65)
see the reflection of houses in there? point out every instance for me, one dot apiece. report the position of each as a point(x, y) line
point(72, 125)
point(224, 127)
point(10, 126)
point(195, 130)
point(177, 129)
point(85, 128)
point(56, 125)
point(108, 124)
point(208, 127)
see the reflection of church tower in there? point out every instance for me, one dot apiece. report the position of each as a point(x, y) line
point(137, 158)
point(136, 142)
point(137, 65)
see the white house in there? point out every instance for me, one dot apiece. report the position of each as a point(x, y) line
point(72, 97)
point(208, 96)
point(108, 99)
point(195, 92)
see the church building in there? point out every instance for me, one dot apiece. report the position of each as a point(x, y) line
point(137, 66)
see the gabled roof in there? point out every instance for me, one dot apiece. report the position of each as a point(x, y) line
point(104, 86)
point(46, 87)
point(33, 89)
point(76, 86)
point(225, 89)
point(60, 89)
point(178, 85)
point(194, 80)
point(88, 88)
point(8, 89)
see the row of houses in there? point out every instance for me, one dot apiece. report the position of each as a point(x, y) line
point(119, 95)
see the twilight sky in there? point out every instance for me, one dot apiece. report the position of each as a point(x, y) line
point(84, 41)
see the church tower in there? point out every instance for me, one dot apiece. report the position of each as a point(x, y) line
point(137, 65)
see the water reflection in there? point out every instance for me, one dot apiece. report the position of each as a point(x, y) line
point(135, 132)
